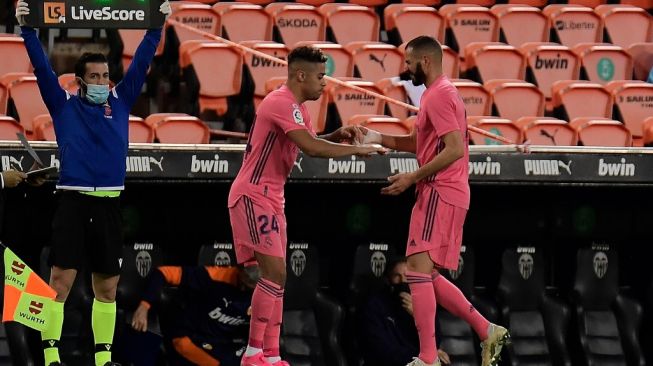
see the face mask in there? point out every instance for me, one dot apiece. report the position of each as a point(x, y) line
point(97, 94)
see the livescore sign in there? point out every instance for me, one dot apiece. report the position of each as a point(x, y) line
point(121, 14)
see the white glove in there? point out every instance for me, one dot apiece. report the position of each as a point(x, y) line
point(372, 137)
point(165, 8)
point(22, 9)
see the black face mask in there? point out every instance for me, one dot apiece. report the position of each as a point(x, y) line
point(401, 287)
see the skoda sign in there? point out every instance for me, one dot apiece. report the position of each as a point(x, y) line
point(141, 14)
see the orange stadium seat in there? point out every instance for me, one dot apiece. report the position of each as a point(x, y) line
point(625, 24)
point(647, 128)
point(340, 63)
point(256, 2)
point(24, 92)
point(315, 2)
point(370, 3)
point(547, 131)
point(393, 88)
point(644, 4)
point(139, 131)
point(423, 2)
point(155, 118)
point(215, 83)
point(403, 22)
point(512, 19)
point(588, 3)
point(601, 132)
point(262, 69)
point(182, 130)
point(410, 122)
point(297, 22)
point(450, 61)
point(549, 62)
point(476, 98)
point(376, 60)
point(351, 23)
point(574, 24)
point(9, 127)
point(634, 103)
point(349, 102)
point(571, 99)
point(535, 3)
point(380, 123)
point(487, 61)
point(498, 126)
point(19, 61)
point(274, 83)
point(642, 56)
point(199, 16)
point(69, 83)
point(4, 97)
point(513, 99)
point(243, 22)
point(602, 62)
point(469, 23)
point(44, 128)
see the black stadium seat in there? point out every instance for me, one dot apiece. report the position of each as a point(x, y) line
point(310, 335)
point(537, 322)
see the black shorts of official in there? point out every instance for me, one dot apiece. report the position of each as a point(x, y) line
point(87, 233)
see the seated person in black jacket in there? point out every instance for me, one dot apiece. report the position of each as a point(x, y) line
point(212, 328)
point(388, 333)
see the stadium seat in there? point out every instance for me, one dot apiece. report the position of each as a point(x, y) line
point(69, 83)
point(488, 61)
point(601, 132)
point(315, 2)
point(182, 130)
point(476, 98)
point(513, 99)
point(634, 103)
point(498, 126)
point(457, 337)
point(647, 128)
point(625, 24)
point(369, 3)
point(9, 127)
point(44, 128)
point(410, 122)
point(394, 88)
point(434, 3)
point(538, 323)
point(139, 131)
point(602, 63)
point(350, 23)
point(210, 85)
point(547, 131)
point(312, 321)
point(570, 100)
point(403, 22)
point(644, 4)
point(274, 84)
point(297, 22)
point(383, 124)
point(196, 15)
point(608, 322)
point(349, 102)
point(4, 97)
point(549, 62)
point(76, 341)
point(26, 98)
point(217, 254)
point(340, 63)
point(536, 3)
point(642, 56)
point(512, 19)
point(243, 22)
point(573, 24)
point(260, 69)
point(19, 61)
point(154, 119)
point(257, 2)
point(467, 24)
point(374, 61)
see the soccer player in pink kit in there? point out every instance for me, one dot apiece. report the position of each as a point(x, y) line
point(256, 200)
point(436, 226)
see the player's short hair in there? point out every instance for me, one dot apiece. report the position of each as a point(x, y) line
point(88, 57)
point(425, 44)
point(392, 263)
point(306, 54)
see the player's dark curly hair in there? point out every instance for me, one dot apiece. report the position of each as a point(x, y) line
point(306, 54)
point(88, 57)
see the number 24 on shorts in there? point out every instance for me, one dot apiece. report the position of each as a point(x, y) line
point(264, 221)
